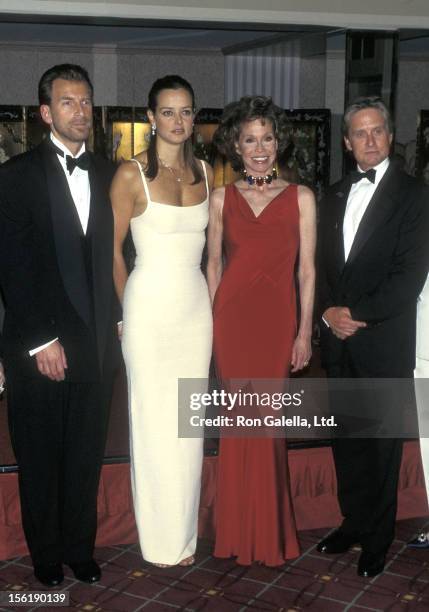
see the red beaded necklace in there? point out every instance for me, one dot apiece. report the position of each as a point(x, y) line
point(259, 180)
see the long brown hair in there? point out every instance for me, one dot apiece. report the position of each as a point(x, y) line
point(171, 81)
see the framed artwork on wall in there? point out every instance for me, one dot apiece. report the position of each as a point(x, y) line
point(206, 123)
point(422, 146)
point(127, 132)
point(307, 158)
point(120, 133)
point(12, 132)
point(35, 129)
point(141, 130)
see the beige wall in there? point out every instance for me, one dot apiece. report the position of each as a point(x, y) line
point(312, 82)
point(120, 79)
point(412, 95)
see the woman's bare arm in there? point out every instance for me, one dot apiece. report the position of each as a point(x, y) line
point(122, 195)
point(301, 352)
point(214, 241)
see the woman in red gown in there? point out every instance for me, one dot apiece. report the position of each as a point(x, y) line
point(265, 228)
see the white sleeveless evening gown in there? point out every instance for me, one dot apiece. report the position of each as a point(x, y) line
point(167, 334)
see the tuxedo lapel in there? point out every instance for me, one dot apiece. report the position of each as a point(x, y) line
point(378, 209)
point(67, 234)
point(340, 203)
point(100, 229)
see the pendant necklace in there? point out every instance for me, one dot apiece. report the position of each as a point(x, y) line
point(174, 173)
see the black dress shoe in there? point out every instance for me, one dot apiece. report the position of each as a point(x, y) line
point(88, 571)
point(49, 574)
point(336, 542)
point(371, 564)
point(421, 541)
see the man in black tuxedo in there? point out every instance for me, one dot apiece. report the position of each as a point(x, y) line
point(60, 340)
point(373, 262)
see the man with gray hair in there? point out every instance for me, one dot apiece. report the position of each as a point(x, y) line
point(373, 263)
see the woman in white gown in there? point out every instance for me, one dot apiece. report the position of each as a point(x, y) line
point(162, 195)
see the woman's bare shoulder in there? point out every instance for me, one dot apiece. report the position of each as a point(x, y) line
point(305, 192)
point(218, 195)
point(206, 165)
point(127, 170)
point(306, 196)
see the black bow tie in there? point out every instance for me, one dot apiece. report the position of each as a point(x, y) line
point(357, 176)
point(82, 162)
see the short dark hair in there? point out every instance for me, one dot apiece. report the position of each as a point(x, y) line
point(363, 103)
point(249, 108)
point(68, 72)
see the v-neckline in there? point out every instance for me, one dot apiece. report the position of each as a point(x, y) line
point(252, 212)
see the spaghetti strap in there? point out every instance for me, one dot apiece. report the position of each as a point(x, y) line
point(146, 188)
point(145, 185)
point(205, 176)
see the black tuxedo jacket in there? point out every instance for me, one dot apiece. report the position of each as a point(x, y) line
point(382, 278)
point(44, 266)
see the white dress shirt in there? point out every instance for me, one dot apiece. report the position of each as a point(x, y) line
point(80, 190)
point(359, 197)
point(78, 183)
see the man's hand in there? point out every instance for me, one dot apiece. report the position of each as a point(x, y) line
point(340, 321)
point(51, 361)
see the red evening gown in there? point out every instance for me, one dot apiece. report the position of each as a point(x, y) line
point(254, 331)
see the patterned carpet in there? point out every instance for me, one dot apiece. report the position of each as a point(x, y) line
point(312, 582)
